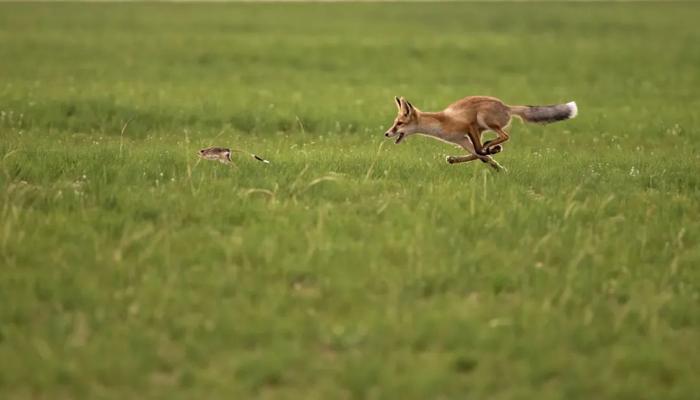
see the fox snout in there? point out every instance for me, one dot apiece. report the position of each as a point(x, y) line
point(393, 132)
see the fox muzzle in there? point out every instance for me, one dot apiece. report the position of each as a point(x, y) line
point(392, 133)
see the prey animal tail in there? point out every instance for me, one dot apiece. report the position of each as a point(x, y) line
point(255, 156)
point(546, 114)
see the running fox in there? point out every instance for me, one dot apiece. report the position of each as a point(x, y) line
point(463, 122)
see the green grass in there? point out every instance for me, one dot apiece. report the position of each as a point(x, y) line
point(348, 267)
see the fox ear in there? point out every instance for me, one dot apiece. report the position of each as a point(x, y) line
point(407, 108)
point(398, 102)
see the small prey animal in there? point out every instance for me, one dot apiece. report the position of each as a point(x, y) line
point(463, 123)
point(223, 154)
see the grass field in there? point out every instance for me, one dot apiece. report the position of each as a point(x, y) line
point(348, 268)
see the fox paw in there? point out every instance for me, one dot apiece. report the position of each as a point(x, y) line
point(450, 159)
point(495, 149)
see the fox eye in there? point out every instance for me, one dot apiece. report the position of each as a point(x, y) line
point(399, 123)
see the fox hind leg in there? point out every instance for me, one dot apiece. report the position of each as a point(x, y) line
point(492, 149)
point(494, 146)
point(497, 120)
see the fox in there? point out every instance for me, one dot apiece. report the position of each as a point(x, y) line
point(463, 123)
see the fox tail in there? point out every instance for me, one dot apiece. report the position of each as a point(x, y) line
point(545, 114)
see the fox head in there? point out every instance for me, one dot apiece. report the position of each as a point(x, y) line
point(405, 123)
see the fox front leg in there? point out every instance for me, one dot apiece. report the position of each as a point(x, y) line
point(461, 159)
point(467, 145)
point(474, 135)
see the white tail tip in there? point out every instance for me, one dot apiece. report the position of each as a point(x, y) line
point(574, 109)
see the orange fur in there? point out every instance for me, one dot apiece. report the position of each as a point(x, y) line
point(463, 123)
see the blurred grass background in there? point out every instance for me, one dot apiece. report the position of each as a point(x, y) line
point(349, 267)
